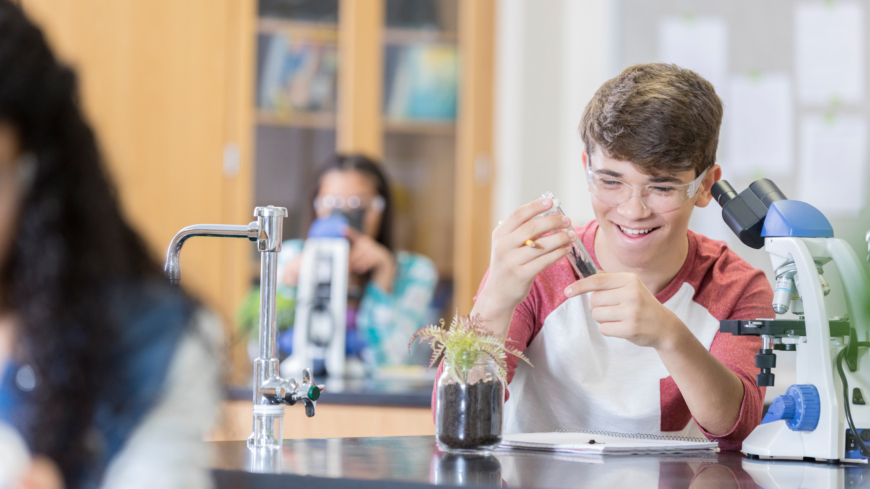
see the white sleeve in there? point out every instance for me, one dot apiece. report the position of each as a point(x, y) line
point(167, 450)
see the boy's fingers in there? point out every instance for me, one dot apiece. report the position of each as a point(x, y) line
point(537, 227)
point(543, 246)
point(521, 215)
point(607, 314)
point(599, 281)
point(615, 329)
point(540, 263)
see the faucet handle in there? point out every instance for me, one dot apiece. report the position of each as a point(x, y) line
point(308, 392)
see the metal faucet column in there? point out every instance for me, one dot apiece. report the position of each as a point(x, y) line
point(270, 390)
point(270, 226)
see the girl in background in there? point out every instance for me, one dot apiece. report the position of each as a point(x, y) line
point(389, 292)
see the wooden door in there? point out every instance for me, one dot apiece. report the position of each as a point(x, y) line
point(167, 85)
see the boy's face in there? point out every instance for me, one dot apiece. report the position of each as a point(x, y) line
point(660, 232)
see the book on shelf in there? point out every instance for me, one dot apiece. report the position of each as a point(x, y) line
point(421, 82)
point(296, 74)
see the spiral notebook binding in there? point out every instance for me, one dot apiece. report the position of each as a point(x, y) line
point(637, 436)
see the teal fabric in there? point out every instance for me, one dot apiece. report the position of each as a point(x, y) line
point(386, 320)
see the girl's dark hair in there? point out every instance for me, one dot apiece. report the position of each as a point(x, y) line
point(71, 247)
point(369, 168)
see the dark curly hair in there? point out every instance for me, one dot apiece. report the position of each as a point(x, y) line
point(71, 247)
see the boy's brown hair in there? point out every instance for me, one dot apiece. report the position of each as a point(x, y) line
point(663, 118)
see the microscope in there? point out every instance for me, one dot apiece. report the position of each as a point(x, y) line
point(825, 415)
point(271, 392)
point(321, 299)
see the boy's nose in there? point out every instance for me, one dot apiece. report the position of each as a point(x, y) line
point(633, 208)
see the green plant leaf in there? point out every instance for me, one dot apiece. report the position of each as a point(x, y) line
point(466, 334)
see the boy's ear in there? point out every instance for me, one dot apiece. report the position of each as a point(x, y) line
point(585, 157)
point(704, 195)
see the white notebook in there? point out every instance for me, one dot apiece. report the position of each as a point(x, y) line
point(605, 443)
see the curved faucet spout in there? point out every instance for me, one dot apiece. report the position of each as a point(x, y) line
point(173, 266)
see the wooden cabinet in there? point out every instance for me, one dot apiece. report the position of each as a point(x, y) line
point(170, 88)
point(167, 86)
point(331, 421)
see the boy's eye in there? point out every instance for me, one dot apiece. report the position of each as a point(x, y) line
point(662, 190)
point(611, 183)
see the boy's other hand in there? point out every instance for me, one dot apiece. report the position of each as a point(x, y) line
point(625, 308)
point(514, 264)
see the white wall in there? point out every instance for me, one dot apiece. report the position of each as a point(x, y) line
point(552, 55)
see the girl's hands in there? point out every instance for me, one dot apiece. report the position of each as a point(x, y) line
point(513, 264)
point(367, 255)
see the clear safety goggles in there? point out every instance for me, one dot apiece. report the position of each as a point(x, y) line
point(328, 203)
point(658, 198)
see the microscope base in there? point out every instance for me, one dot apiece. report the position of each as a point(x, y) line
point(775, 440)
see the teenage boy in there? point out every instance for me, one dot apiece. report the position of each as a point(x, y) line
point(638, 348)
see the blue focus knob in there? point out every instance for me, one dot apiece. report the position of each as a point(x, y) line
point(808, 407)
point(799, 407)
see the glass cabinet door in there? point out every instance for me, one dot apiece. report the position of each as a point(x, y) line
point(296, 94)
point(421, 77)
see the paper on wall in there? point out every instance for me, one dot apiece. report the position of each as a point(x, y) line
point(759, 119)
point(698, 43)
point(829, 52)
point(833, 163)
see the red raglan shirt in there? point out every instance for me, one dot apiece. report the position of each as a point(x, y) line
point(583, 380)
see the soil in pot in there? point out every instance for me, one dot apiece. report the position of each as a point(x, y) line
point(478, 423)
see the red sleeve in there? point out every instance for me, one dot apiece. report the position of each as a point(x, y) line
point(738, 354)
point(520, 334)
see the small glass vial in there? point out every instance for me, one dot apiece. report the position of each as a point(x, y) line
point(268, 427)
point(469, 405)
point(578, 257)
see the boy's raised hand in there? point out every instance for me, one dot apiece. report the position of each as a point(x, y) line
point(625, 308)
point(513, 264)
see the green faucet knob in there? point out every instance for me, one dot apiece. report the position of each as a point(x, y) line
point(314, 393)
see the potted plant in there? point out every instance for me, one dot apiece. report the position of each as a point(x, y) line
point(470, 390)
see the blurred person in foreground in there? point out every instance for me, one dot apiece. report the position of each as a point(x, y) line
point(389, 292)
point(108, 373)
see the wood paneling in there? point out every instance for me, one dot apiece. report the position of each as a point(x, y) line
point(360, 77)
point(167, 85)
point(474, 163)
point(330, 421)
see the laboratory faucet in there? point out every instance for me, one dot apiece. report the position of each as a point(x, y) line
point(270, 390)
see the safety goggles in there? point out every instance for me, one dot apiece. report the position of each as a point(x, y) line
point(328, 203)
point(658, 198)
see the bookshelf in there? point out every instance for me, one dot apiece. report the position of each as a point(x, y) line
point(310, 120)
point(430, 156)
point(405, 126)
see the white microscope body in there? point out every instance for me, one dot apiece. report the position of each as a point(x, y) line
point(810, 421)
point(817, 351)
point(321, 305)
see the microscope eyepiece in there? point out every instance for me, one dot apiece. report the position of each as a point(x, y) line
point(766, 191)
point(723, 192)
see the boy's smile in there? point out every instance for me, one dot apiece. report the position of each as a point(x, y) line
point(633, 238)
